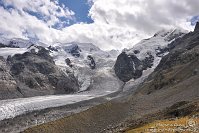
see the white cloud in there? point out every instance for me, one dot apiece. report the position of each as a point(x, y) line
point(103, 35)
point(144, 15)
point(17, 22)
point(49, 10)
point(14, 24)
point(117, 24)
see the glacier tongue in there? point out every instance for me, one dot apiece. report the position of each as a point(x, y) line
point(15, 107)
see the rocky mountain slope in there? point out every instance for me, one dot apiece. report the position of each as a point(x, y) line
point(170, 91)
point(33, 74)
point(145, 55)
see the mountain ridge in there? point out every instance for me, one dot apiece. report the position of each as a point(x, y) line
point(145, 55)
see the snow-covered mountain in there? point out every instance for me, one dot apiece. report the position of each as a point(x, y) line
point(145, 55)
point(78, 53)
point(85, 60)
point(89, 64)
point(16, 46)
point(155, 44)
point(18, 42)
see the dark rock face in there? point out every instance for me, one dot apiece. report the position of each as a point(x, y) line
point(74, 50)
point(92, 63)
point(148, 61)
point(160, 51)
point(17, 68)
point(44, 54)
point(196, 27)
point(51, 48)
point(68, 62)
point(8, 85)
point(136, 51)
point(128, 67)
point(34, 74)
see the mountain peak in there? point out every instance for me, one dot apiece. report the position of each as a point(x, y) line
point(197, 26)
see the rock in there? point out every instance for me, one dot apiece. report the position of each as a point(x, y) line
point(148, 61)
point(43, 67)
point(136, 51)
point(73, 49)
point(33, 51)
point(44, 53)
point(128, 67)
point(68, 62)
point(196, 27)
point(92, 63)
point(161, 51)
point(69, 84)
point(17, 68)
point(51, 48)
point(9, 57)
point(8, 85)
point(195, 72)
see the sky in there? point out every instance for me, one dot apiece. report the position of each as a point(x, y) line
point(108, 24)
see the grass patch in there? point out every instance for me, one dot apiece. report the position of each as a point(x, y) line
point(184, 124)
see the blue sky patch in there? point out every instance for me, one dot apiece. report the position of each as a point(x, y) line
point(80, 8)
point(7, 7)
point(194, 20)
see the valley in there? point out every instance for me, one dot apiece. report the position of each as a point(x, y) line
point(77, 87)
point(169, 93)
